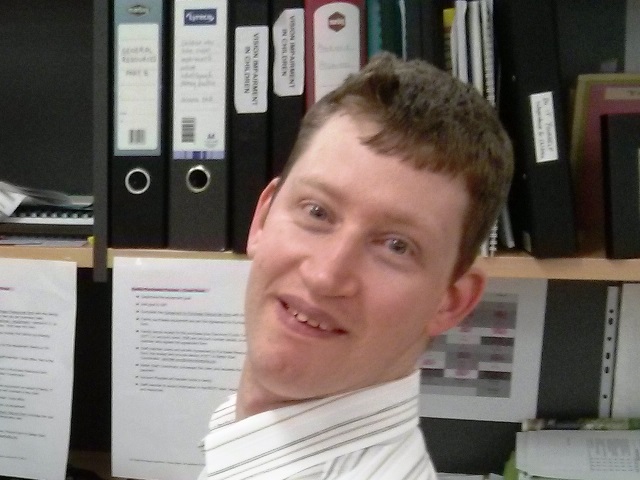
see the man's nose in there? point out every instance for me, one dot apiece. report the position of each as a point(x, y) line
point(332, 266)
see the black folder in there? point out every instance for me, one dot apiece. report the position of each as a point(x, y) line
point(198, 187)
point(424, 30)
point(287, 93)
point(531, 106)
point(340, 28)
point(138, 163)
point(432, 36)
point(413, 29)
point(621, 178)
point(390, 27)
point(249, 122)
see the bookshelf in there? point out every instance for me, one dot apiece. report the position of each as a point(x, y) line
point(589, 266)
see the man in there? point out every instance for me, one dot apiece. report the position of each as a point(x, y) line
point(362, 251)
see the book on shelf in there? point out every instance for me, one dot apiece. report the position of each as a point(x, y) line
point(530, 104)
point(575, 455)
point(534, 424)
point(335, 44)
point(138, 161)
point(467, 32)
point(384, 27)
point(596, 94)
point(249, 137)
point(199, 165)
point(621, 184)
point(287, 101)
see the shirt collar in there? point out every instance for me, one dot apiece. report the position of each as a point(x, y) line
point(313, 430)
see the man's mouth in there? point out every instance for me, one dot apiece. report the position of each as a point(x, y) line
point(311, 322)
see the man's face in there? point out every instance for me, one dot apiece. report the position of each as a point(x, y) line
point(352, 260)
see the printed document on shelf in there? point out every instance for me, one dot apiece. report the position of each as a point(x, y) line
point(488, 367)
point(37, 332)
point(579, 454)
point(178, 347)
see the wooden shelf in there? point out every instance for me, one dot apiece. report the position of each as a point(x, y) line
point(591, 266)
point(168, 253)
point(83, 256)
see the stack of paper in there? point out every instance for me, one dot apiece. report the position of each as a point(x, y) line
point(576, 455)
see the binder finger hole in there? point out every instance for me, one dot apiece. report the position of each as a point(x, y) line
point(137, 181)
point(198, 179)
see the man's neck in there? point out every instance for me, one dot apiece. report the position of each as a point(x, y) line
point(254, 398)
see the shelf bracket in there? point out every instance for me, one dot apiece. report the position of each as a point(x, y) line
point(611, 319)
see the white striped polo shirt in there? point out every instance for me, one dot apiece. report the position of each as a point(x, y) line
point(367, 434)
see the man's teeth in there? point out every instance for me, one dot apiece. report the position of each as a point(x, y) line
point(302, 318)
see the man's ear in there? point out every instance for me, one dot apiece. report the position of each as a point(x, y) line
point(260, 215)
point(460, 299)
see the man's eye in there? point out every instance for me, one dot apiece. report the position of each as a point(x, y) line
point(317, 211)
point(397, 246)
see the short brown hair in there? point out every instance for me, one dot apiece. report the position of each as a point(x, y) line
point(433, 121)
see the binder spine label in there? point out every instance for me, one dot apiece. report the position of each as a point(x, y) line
point(544, 127)
point(288, 47)
point(137, 82)
point(251, 69)
point(199, 85)
point(336, 45)
point(623, 93)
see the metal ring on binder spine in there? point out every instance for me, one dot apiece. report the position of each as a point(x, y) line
point(198, 179)
point(132, 178)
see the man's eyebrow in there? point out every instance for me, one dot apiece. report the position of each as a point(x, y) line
point(311, 181)
point(396, 217)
